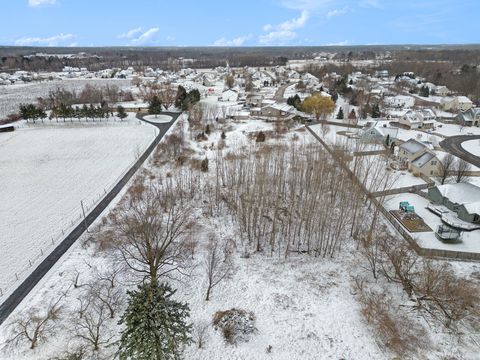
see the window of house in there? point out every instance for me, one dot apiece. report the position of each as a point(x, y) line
point(434, 163)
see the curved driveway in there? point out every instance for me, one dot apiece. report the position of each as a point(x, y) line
point(42, 269)
point(453, 145)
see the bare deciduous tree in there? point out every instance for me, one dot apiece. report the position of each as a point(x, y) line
point(92, 326)
point(200, 333)
point(446, 167)
point(217, 268)
point(36, 325)
point(150, 227)
point(167, 95)
point(461, 170)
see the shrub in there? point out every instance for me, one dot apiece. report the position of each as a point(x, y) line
point(236, 325)
point(260, 137)
point(204, 165)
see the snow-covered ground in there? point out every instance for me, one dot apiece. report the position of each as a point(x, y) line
point(454, 129)
point(305, 307)
point(472, 146)
point(46, 170)
point(158, 119)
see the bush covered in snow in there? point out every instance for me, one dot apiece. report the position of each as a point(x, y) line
point(236, 325)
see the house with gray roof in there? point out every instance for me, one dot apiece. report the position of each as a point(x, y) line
point(471, 117)
point(426, 164)
point(411, 150)
point(461, 198)
point(376, 132)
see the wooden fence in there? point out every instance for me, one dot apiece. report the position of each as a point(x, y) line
point(431, 253)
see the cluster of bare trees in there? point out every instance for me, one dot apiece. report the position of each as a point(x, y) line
point(438, 292)
point(90, 94)
point(286, 198)
point(95, 306)
point(165, 92)
point(451, 167)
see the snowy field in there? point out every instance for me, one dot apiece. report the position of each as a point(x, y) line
point(12, 96)
point(47, 169)
point(472, 146)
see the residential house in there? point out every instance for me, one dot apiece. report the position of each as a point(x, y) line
point(471, 117)
point(418, 119)
point(441, 90)
point(254, 100)
point(461, 198)
point(400, 101)
point(411, 150)
point(458, 103)
point(310, 80)
point(427, 164)
point(278, 111)
point(229, 95)
point(381, 73)
point(376, 132)
point(420, 158)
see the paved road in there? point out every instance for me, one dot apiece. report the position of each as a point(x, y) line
point(42, 269)
point(279, 95)
point(453, 146)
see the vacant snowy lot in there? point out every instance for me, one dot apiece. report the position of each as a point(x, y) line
point(46, 170)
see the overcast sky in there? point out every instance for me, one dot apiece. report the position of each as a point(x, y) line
point(238, 22)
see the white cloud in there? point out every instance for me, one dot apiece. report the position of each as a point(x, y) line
point(36, 3)
point(238, 41)
point(305, 4)
point(338, 12)
point(56, 40)
point(144, 37)
point(370, 3)
point(340, 43)
point(289, 25)
point(131, 33)
point(277, 37)
point(284, 32)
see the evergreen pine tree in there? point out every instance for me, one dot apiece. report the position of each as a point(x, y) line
point(181, 96)
point(155, 106)
point(121, 112)
point(340, 114)
point(155, 325)
point(375, 111)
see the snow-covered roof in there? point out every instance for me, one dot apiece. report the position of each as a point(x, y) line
point(464, 99)
point(464, 194)
point(423, 159)
point(391, 131)
point(282, 107)
point(412, 146)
